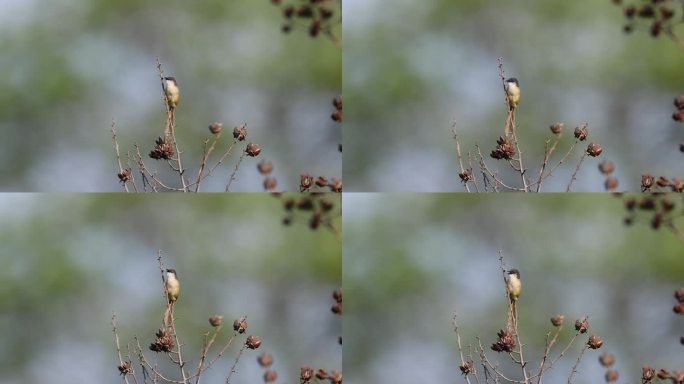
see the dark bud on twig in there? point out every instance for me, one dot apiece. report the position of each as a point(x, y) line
point(466, 175)
point(657, 220)
point(582, 325)
point(163, 342)
point(582, 132)
point(505, 343)
point(339, 340)
point(679, 102)
point(125, 368)
point(270, 183)
point(647, 373)
point(240, 325)
point(163, 149)
point(606, 167)
point(265, 359)
point(646, 204)
point(611, 183)
point(321, 374)
point(337, 309)
point(558, 320)
point(612, 376)
point(466, 368)
point(678, 115)
point(125, 175)
point(305, 204)
point(253, 342)
point(326, 206)
point(646, 11)
point(305, 374)
point(681, 146)
point(216, 320)
point(337, 116)
point(315, 220)
point(337, 102)
point(663, 374)
point(265, 167)
point(607, 359)
point(557, 128)
point(252, 150)
point(240, 133)
point(678, 308)
point(681, 340)
point(647, 181)
point(594, 149)
point(270, 376)
point(594, 342)
point(305, 181)
point(679, 295)
point(337, 295)
point(215, 127)
point(677, 185)
point(504, 149)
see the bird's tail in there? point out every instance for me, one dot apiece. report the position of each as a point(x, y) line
point(510, 123)
point(168, 314)
point(168, 130)
point(512, 315)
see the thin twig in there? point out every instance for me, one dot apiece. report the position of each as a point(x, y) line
point(205, 157)
point(118, 348)
point(458, 153)
point(118, 155)
point(547, 154)
point(232, 175)
point(574, 174)
point(574, 367)
point(237, 358)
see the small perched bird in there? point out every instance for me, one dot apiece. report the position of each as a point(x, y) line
point(513, 92)
point(514, 286)
point(172, 292)
point(171, 91)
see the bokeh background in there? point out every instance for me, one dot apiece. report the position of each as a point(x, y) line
point(413, 68)
point(71, 68)
point(413, 261)
point(72, 261)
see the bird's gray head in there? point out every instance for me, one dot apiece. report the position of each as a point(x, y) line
point(514, 272)
point(170, 270)
point(514, 81)
point(171, 79)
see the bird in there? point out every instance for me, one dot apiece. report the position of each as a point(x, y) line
point(172, 92)
point(512, 87)
point(172, 293)
point(514, 287)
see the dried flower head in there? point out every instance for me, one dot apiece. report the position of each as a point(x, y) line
point(611, 183)
point(270, 183)
point(612, 376)
point(240, 325)
point(163, 342)
point(335, 185)
point(504, 149)
point(594, 149)
point(124, 175)
point(467, 368)
point(125, 368)
point(335, 377)
point(679, 295)
point(163, 149)
point(253, 342)
point(557, 128)
point(240, 133)
point(647, 373)
point(265, 359)
point(606, 167)
point(594, 342)
point(215, 127)
point(607, 359)
point(321, 374)
point(466, 175)
point(216, 320)
point(582, 132)
point(647, 181)
point(305, 181)
point(505, 341)
point(558, 320)
point(337, 295)
point(582, 325)
point(305, 374)
point(252, 150)
point(270, 376)
point(265, 167)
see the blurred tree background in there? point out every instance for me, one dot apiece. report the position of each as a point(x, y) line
point(71, 261)
point(413, 261)
point(412, 68)
point(73, 67)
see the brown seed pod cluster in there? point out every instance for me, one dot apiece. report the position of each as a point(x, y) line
point(606, 167)
point(163, 342)
point(265, 168)
point(308, 182)
point(505, 341)
point(317, 16)
point(337, 114)
point(163, 149)
point(505, 149)
point(317, 208)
